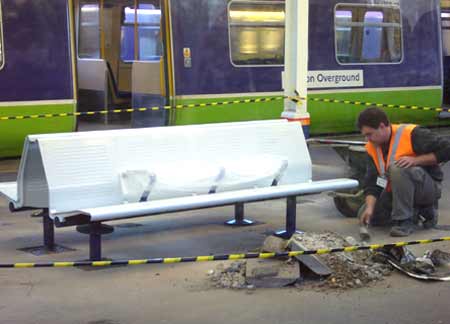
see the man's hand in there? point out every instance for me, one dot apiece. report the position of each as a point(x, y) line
point(366, 216)
point(406, 162)
point(367, 213)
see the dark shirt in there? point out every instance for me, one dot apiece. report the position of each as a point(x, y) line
point(423, 141)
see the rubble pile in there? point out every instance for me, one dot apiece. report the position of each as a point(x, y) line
point(348, 270)
point(229, 276)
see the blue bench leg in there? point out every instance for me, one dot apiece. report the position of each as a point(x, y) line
point(239, 219)
point(291, 219)
point(49, 231)
point(95, 231)
point(95, 242)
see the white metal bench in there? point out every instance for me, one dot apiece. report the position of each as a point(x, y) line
point(93, 177)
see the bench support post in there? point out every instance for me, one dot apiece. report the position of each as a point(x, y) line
point(49, 231)
point(95, 231)
point(239, 219)
point(291, 219)
point(95, 242)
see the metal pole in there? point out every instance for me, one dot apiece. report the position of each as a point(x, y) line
point(239, 219)
point(291, 219)
point(291, 215)
point(49, 231)
point(95, 242)
point(239, 212)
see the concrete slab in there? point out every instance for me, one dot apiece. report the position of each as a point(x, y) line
point(271, 273)
point(312, 262)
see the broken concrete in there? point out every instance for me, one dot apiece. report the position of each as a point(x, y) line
point(312, 262)
point(271, 273)
point(344, 270)
point(229, 275)
point(273, 244)
point(350, 270)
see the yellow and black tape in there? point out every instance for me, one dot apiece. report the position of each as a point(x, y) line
point(297, 99)
point(379, 105)
point(143, 109)
point(222, 257)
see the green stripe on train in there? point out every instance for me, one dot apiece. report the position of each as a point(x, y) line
point(325, 117)
point(13, 132)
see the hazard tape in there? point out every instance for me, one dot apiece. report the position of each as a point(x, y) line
point(223, 257)
point(297, 100)
point(379, 105)
point(130, 110)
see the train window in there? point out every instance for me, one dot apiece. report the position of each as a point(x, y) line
point(89, 31)
point(256, 32)
point(2, 55)
point(368, 34)
point(445, 22)
point(147, 21)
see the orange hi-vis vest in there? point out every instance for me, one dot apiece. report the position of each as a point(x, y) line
point(400, 145)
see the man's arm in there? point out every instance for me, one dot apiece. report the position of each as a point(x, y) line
point(431, 149)
point(370, 180)
point(371, 190)
point(368, 212)
point(420, 160)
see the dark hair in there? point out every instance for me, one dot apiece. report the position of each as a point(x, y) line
point(372, 117)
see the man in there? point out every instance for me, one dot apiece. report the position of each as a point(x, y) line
point(403, 179)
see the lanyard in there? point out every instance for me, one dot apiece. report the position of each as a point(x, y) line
point(397, 138)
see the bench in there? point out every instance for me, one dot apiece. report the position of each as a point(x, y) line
point(89, 178)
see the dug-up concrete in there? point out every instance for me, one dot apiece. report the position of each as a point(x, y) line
point(182, 293)
point(341, 270)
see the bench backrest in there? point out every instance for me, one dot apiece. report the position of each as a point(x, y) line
point(83, 170)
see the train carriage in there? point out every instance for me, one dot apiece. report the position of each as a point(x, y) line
point(36, 70)
point(60, 56)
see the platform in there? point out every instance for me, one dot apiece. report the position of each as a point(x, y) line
point(179, 293)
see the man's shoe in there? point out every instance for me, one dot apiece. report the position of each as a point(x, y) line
point(430, 216)
point(402, 228)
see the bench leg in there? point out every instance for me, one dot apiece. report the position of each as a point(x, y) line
point(239, 219)
point(95, 231)
point(291, 219)
point(95, 242)
point(49, 231)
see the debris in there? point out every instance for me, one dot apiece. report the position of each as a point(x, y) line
point(312, 262)
point(354, 270)
point(271, 273)
point(364, 233)
point(344, 270)
point(274, 244)
point(440, 258)
point(424, 268)
point(231, 276)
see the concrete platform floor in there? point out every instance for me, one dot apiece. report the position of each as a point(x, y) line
point(179, 293)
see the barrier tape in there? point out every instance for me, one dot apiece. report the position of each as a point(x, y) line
point(252, 255)
point(296, 99)
point(130, 110)
point(380, 105)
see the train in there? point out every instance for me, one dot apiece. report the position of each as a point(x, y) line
point(66, 57)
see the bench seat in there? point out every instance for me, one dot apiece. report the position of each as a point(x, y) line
point(100, 214)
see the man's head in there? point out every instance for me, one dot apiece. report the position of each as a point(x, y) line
point(374, 125)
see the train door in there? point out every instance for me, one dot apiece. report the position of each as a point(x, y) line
point(120, 62)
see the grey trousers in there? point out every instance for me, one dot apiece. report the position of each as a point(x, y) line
point(412, 188)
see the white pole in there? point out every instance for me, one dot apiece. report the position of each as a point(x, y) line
point(296, 62)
